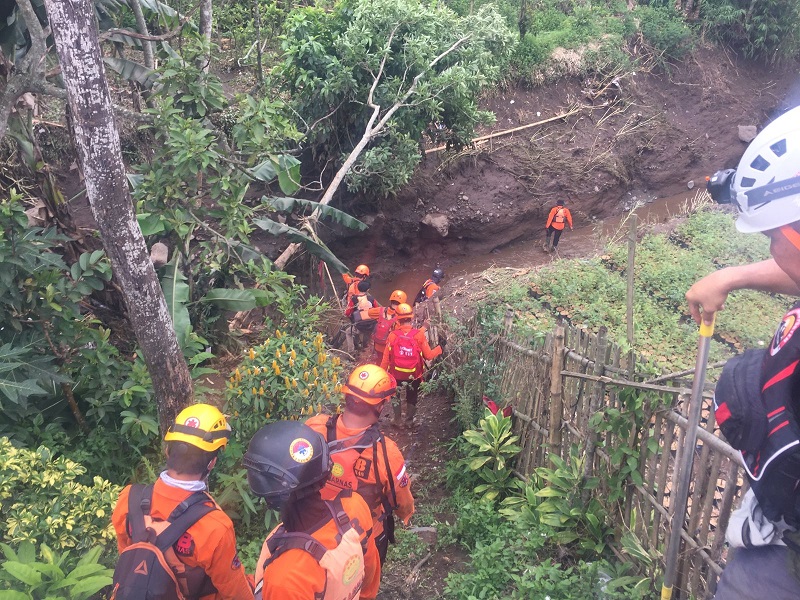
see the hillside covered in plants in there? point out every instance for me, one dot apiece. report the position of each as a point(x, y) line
point(181, 190)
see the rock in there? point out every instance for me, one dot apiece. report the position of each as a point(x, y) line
point(437, 222)
point(159, 254)
point(420, 203)
point(747, 133)
point(426, 534)
point(690, 184)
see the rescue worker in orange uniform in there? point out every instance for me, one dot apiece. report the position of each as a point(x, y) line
point(208, 548)
point(406, 347)
point(323, 549)
point(364, 460)
point(430, 287)
point(384, 317)
point(558, 217)
point(352, 281)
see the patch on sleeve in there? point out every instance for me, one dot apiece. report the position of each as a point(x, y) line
point(236, 563)
point(402, 473)
point(403, 480)
point(185, 545)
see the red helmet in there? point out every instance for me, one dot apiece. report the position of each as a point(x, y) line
point(362, 270)
point(403, 312)
point(371, 384)
point(398, 296)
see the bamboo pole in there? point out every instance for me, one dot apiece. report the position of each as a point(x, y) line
point(629, 313)
point(556, 392)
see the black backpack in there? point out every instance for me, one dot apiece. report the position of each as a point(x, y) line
point(149, 569)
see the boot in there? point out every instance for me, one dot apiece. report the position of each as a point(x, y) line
point(411, 411)
point(398, 414)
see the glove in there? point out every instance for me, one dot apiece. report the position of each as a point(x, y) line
point(442, 341)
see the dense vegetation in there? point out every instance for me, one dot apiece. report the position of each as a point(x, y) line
point(216, 167)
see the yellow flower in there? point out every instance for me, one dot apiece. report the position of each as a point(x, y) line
point(293, 354)
point(294, 383)
point(232, 379)
point(277, 353)
point(291, 362)
point(305, 376)
point(267, 415)
point(315, 371)
point(305, 363)
point(324, 387)
point(257, 371)
point(252, 354)
point(283, 348)
point(255, 391)
point(336, 361)
point(238, 375)
point(322, 358)
point(335, 377)
point(305, 343)
point(275, 367)
point(287, 382)
point(278, 333)
point(305, 393)
point(261, 391)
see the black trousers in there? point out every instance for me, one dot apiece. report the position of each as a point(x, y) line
point(555, 233)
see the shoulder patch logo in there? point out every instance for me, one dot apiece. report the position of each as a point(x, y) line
point(789, 324)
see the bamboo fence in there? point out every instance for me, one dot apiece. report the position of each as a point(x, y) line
point(557, 383)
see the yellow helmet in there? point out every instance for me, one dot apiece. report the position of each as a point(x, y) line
point(371, 384)
point(202, 426)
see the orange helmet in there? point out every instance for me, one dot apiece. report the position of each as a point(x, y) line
point(362, 270)
point(371, 384)
point(398, 296)
point(404, 311)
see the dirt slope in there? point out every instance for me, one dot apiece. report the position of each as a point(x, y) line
point(642, 134)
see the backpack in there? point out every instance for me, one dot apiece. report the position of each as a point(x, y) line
point(382, 329)
point(422, 294)
point(344, 565)
point(560, 215)
point(406, 357)
point(149, 569)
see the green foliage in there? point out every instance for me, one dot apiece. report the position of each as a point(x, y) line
point(331, 59)
point(768, 30)
point(51, 500)
point(493, 448)
point(286, 376)
point(665, 30)
point(22, 577)
point(562, 507)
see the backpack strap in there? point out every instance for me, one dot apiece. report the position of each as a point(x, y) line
point(283, 541)
point(331, 427)
point(138, 506)
point(388, 505)
point(186, 514)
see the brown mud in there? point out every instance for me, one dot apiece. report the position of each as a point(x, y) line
point(637, 136)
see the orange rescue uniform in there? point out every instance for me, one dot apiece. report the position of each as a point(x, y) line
point(365, 483)
point(352, 286)
point(420, 337)
point(212, 566)
point(559, 215)
point(296, 575)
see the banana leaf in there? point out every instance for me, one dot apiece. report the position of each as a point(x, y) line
point(133, 71)
point(318, 249)
point(176, 293)
point(289, 204)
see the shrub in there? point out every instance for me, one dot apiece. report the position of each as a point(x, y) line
point(51, 500)
point(665, 30)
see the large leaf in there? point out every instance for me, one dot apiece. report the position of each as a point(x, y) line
point(288, 174)
point(236, 300)
point(265, 171)
point(289, 204)
point(316, 248)
point(176, 293)
point(133, 71)
point(24, 372)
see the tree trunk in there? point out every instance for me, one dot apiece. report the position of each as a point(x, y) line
point(97, 142)
point(141, 27)
point(206, 22)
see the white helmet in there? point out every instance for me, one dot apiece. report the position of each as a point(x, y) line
point(766, 185)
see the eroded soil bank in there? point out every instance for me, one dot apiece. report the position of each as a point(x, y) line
point(635, 136)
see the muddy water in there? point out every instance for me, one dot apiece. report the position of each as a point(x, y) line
point(586, 239)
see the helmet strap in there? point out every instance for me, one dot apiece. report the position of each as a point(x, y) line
point(791, 234)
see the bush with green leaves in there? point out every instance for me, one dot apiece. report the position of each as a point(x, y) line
point(53, 500)
point(665, 30)
point(57, 576)
point(493, 448)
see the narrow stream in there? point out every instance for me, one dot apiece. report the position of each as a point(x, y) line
point(585, 240)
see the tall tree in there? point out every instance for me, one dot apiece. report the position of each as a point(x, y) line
point(97, 142)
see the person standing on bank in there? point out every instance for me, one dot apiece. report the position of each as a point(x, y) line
point(758, 412)
point(365, 460)
point(559, 217)
point(207, 566)
point(322, 549)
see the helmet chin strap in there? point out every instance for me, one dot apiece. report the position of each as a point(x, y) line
point(792, 235)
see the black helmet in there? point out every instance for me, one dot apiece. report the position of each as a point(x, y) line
point(437, 275)
point(284, 457)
